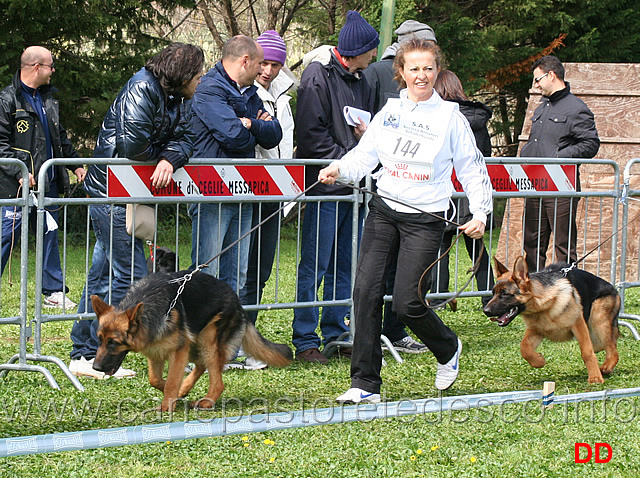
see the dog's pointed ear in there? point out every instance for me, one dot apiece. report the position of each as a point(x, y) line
point(133, 314)
point(520, 270)
point(100, 307)
point(500, 268)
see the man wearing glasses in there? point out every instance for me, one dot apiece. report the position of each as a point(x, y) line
point(562, 126)
point(30, 130)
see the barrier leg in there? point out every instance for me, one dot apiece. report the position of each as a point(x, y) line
point(633, 330)
point(387, 343)
point(6, 367)
point(11, 365)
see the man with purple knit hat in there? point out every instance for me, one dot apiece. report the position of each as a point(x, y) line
point(273, 83)
point(326, 87)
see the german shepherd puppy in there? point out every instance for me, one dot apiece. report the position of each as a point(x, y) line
point(205, 325)
point(559, 306)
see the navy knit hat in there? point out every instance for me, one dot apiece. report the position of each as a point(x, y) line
point(357, 36)
point(273, 46)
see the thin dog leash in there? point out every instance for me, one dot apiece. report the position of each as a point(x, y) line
point(574, 264)
point(425, 274)
point(187, 277)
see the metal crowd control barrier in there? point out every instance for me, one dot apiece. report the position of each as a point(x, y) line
point(628, 196)
point(232, 170)
point(19, 361)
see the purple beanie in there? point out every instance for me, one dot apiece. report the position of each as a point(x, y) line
point(273, 46)
point(357, 36)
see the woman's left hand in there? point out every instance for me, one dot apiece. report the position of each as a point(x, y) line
point(474, 229)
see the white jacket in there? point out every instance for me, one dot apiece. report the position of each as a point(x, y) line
point(418, 145)
point(276, 101)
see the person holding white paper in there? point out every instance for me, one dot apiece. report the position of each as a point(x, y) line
point(322, 132)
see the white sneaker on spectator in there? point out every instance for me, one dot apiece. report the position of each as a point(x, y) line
point(357, 395)
point(448, 373)
point(58, 300)
point(84, 368)
point(245, 363)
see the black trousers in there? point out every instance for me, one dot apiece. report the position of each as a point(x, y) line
point(541, 215)
point(484, 275)
point(416, 245)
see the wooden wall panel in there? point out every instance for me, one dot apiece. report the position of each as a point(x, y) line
point(612, 92)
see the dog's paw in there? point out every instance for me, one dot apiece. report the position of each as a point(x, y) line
point(204, 403)
point(536, 361)
point(596, 379)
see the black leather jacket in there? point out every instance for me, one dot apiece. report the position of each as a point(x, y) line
point(562, 126)
point(22, 137)
point(142, 124)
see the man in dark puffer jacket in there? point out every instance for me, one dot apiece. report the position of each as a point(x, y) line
point(148, 121)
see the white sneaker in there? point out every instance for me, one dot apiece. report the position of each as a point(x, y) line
point(448, 373)
point(58, 300)
point(84, 368)
point(357, 395)
point(245, 363)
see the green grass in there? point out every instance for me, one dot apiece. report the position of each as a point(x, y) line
point(497, 441)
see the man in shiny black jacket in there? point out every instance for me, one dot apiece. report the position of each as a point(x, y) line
point(148, 121)
point(562, 126)
point(30, 131)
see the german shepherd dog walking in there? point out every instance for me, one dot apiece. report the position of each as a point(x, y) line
point(206, 325)
point(559, 305)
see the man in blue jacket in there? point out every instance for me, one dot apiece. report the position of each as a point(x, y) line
point(229, 120)
point(148, 121)
point(562, 127)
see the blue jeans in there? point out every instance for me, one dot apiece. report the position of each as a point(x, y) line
point(83, 333)
point(51, 269)
point(323, 256)
point(262, 252)
point(215, 227)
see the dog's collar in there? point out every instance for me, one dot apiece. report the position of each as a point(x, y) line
point(566, 270)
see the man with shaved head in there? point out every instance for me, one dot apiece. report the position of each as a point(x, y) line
point(30, 131)
point(229, 120)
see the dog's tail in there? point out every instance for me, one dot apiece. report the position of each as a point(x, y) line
point(255, 345)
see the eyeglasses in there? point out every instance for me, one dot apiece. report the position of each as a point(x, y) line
point(52, 65)
point(537, 80)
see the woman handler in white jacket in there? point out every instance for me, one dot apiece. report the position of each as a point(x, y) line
point(418, 139)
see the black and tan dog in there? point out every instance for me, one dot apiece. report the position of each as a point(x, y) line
point(205, 326)
point(559, 304)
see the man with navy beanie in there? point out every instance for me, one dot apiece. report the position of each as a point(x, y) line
point(326, 87)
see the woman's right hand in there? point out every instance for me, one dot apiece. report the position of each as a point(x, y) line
point(329, 174)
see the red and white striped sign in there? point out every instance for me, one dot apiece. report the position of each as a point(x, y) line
point(199, 181)
point(529, 177)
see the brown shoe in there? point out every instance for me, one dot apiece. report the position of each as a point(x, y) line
point(313, 356)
